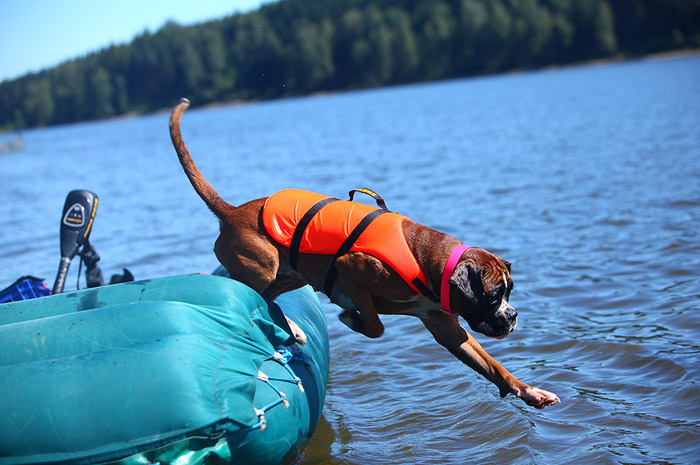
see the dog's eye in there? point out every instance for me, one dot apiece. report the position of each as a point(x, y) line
point(498, 293)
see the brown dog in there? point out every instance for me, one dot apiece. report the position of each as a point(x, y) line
point(472, 281)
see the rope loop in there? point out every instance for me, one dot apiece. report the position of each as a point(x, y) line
point(284, 356)
point(261, 424)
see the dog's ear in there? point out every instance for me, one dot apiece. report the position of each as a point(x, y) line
point(507, 264)
point(467, 278)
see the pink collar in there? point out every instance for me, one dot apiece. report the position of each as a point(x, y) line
point(446, 275)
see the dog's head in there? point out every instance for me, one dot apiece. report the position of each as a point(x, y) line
point(480, 288)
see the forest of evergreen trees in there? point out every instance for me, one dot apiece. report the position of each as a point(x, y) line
point(296, 47)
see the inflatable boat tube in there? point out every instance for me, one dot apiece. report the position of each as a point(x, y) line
point(189, 369)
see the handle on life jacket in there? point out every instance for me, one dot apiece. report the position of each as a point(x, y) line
point(371, 193)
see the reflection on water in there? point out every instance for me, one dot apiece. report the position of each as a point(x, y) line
point(587, 180)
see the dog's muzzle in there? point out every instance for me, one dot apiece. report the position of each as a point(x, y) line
point(500, 324)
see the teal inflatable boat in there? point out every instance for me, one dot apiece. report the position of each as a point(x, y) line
point(189, 370)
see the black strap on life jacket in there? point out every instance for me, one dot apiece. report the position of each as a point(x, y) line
point(425, 290)
point(308, 216)
point(347, 245)
point(301, 227)
point(348, 242)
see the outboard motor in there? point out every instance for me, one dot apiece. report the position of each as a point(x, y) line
point(76, 224)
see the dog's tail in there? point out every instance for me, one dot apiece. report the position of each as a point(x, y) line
point(213, 200)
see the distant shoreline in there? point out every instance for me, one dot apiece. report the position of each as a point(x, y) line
point(658, 56)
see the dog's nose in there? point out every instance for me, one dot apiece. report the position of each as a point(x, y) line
point(508, 310)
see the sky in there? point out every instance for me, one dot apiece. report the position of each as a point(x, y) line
point(39, 34)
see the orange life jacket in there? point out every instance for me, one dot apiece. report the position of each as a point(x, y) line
point(328, 228)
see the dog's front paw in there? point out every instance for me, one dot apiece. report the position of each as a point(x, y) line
point(297, 332)
point(353, 320)
point(538, 398)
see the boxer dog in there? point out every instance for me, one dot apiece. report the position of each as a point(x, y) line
point(433, 276)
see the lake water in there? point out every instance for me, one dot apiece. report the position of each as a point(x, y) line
point(586, 179)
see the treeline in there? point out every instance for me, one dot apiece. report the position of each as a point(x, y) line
point(294, 47)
